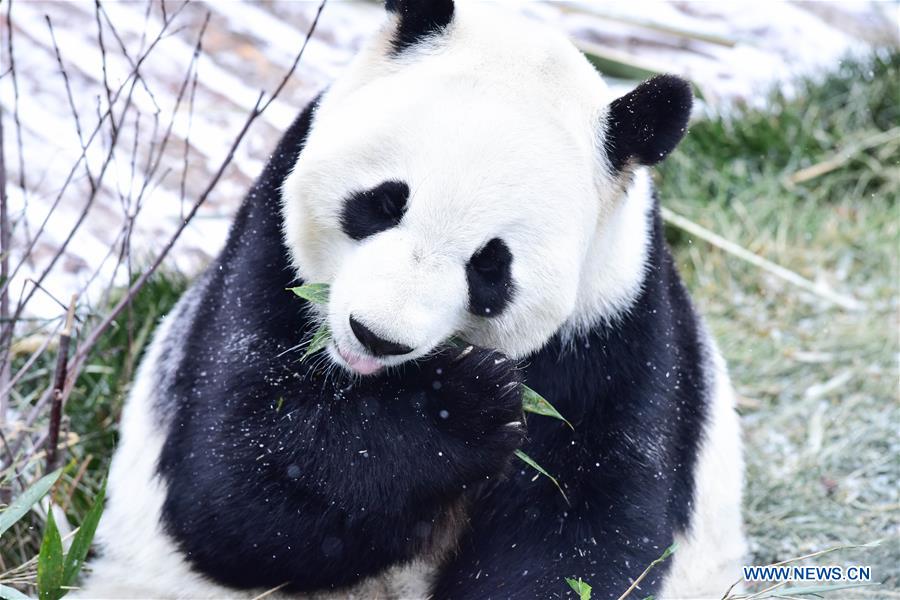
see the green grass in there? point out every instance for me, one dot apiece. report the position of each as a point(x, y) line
point(818, 384)
point(92, 412)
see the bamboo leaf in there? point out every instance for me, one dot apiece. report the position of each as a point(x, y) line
point(530, 462)
point(614, 63)
point(21, 505)
point(8, 593)
point(662, 557)
point(319, 340)
point(81, 543)
point(581, 588)
point(535, 403)
point(317, 293)
point(50, 563)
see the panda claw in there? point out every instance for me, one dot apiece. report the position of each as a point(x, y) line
point(466, 351)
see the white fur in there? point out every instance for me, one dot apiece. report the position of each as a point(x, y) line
point(138, 559)
point(710, 555)
point(495, 130)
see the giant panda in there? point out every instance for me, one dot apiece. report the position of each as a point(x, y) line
point(469, 178)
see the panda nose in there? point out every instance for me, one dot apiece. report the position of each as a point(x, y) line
point(378, 346)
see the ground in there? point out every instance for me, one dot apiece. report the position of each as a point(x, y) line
point(818, 383)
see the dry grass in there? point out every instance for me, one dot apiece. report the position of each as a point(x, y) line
point(819, 385)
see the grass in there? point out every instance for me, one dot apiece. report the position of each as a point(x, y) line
point(818, 384)
point(92, 414)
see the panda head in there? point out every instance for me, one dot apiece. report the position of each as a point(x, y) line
point(471, 176)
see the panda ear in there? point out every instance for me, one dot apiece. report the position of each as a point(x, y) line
point(646, 124)
point(418, 19)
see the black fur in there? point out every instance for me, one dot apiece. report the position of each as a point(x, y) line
point(636, 394)
point(418, 20)
point(489, 276)
point(647, 123)
point(278, 474)
point(372, 211)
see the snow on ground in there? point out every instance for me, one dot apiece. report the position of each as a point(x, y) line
point(734, 51)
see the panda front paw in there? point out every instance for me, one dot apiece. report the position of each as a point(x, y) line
point(475, 397)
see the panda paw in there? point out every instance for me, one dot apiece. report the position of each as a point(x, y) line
point(475, 396)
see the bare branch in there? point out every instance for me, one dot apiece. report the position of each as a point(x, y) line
point(15, 84)
point(102, 47)
point(6, 324)
point(85, 347)
point(198, 46)
point(68, 86)
point(108, 114)
point(59, 382)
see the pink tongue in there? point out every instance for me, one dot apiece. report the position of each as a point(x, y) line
point(362, 365)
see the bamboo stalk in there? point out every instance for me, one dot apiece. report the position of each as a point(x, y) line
point(700, 36)
point(615, 63)
point(842, 300)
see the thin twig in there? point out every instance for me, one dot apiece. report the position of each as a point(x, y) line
point(102, 47)
point(151, 170)
point(187, 139)
point(6, 324)
point(124, 49)
point(59, 384)
point(71, 98)
point(108, 114)
point(85, 347)
point(16, 120)
point(76, 480)
point(79, 357)
point(20, 305)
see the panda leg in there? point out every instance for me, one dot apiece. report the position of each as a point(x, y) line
point(137, 559)
point(710, 554)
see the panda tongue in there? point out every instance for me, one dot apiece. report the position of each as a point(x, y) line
point(361, 364)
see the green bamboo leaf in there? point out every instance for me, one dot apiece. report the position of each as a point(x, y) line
point(662, 557)
point(8, 593)
point(317, 293)
point(667, 553)
point(81, 543)
point(530, 462)
point(581, 588)
point(535, 403)
point(21, 505)
point(50, 563)
point(319, 340)
point(615, 63)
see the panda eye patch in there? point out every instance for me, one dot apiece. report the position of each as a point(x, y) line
point(375, 210)
point(489, 276)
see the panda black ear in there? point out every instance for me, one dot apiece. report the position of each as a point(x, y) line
point(418, 19)
point(646, 124)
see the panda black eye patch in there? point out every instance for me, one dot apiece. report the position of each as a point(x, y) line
point(489, 275)
point(375, 210)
